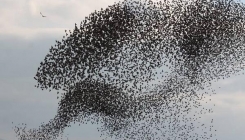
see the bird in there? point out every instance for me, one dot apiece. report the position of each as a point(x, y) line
point(42, 15)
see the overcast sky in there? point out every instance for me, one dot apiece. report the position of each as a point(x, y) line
point(25, 38)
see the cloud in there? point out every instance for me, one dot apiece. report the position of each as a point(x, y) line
point(33, 8)
point(22, 18)
point(25, 38)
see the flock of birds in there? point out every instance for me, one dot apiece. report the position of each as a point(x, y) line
point(106, 65)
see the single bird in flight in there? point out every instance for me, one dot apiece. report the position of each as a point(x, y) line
point(42, 15)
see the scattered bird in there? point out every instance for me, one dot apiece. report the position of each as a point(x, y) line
point(42, 15)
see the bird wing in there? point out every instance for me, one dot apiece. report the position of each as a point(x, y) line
point(42, 15)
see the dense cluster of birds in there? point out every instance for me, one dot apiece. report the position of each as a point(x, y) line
point(105, 68)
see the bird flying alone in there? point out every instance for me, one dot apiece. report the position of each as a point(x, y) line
point(42, 15)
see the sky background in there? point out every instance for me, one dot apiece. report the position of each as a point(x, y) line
point(25, 39)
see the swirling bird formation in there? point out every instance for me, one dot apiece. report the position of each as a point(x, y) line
point(106, 65)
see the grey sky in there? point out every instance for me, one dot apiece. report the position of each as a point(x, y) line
point(25, 38)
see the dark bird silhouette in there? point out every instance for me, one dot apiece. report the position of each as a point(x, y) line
point(42, 15)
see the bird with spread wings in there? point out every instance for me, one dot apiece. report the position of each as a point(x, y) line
point(42, 15)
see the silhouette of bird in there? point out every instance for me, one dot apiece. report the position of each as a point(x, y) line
point(42, 15)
